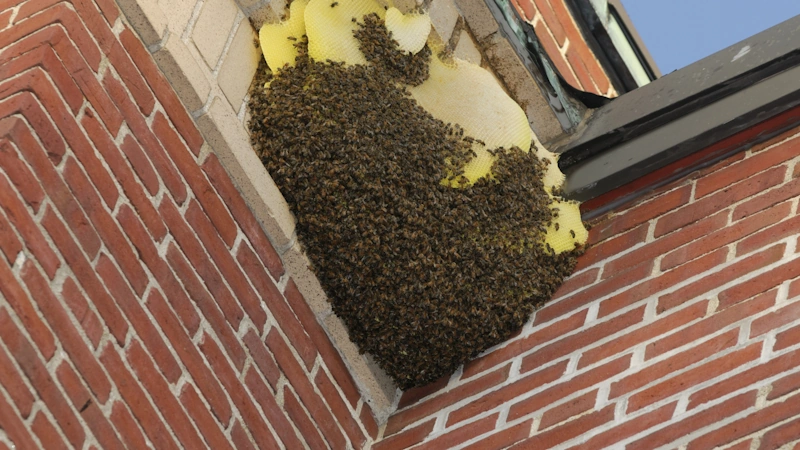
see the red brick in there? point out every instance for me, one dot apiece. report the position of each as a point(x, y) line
point(136, 399)
point(225, 263)
point(407, 438)
point(240, 438)
point(207, 305)
point(794, 288)
point(11, 380)
point(16, 297)
point(148, 253)
point(640, 214)
point(552, 49)
point(264, 361)
point(133, 310)
point(164, 399)
point(569, 409)
point(582, 339)
point(21, 177)
point(47, 433)
point(61, 14)
point(58, 192)
point(665, 244)
point(461, 434)
point(781, 435)
point(784, 385)
point(661, 326)
point(582, 72)
point(244, 216)
point(27, 228)
point(128, 429)
point(140, 164)
point(628, 428)
point(507, 393)
point(750, 376)
point(415, 394)
point(41, 164)
point(109, 9)
point(575, 282)
point(504, 438)
point(290, 324)
point(106, 226)
point(163, 90)
point(45, 58)
point(319, 337)
point(758, 420)
point(736, 192)
point(5, 18)
point(130, 186)
point(578, 44)
point(711, 325)
point(674, 363)
point(695, 376)
point(90, 412)
point(88, 320)
point(188, 354)
point(593, 293)
point(137, 125)
point(613, 246)
point(525, 9)
point(235, 389)
point(16, 431)
point(768, 235)
point(653, 286)
point(36, 372)
point(762, 282)
point(65, 331)
point(776, 141)
point(302, 386)
point(272, 411)
point(769, 198)
point(553, 22)
point(209, 200)
point(81, 75)
point(730, 273)
point(734, 173)
point(402, 419)
point(340, 410)
point(775, 319)
point(195, 253)
point(27, 105)
point(198, 411)
point(131, 77)
point(787, 338)
point(725, 236)
point(687, 425)
point(577, 383)
point(519, 346)
point(301, 420)
point(569, 430)
point(368, 420)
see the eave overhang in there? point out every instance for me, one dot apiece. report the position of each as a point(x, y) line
point(685, 120)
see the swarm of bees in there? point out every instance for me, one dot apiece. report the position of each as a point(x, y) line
point(425, 275)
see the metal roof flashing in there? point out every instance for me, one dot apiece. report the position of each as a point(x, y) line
point(681, 114)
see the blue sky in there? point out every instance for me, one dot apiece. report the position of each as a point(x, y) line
point(680, 32)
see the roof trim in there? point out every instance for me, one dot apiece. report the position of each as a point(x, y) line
point(684, 112)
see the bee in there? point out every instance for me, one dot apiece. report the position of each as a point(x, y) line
point(572, 233)
point(333, 5)
point(557, 226)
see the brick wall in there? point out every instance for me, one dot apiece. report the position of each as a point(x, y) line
point(141, 302)
point(563, 42)
point(680, 326)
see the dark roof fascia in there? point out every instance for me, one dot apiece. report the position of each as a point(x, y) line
point(684, 112)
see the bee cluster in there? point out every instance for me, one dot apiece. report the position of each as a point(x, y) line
point(377, 45)
point(424, 275)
